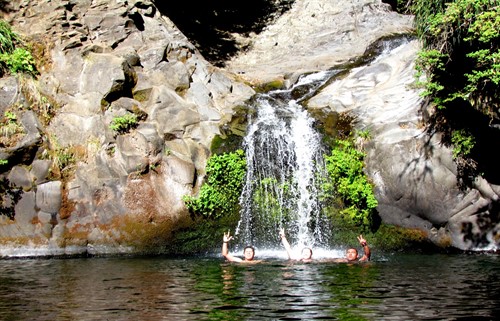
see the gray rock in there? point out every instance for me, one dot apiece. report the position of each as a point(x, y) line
point(20, 177)
point(132, 150)
point(111, 57)
point(9, 92)
point(40, 170)
point(25, 211)
point(170, 111)
point(317, 35)
point(152, 57)
point(49, 197)
point(108, 75)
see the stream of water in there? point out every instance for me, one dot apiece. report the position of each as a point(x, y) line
point(284, 155)
point(391, 287)
point(285, 164)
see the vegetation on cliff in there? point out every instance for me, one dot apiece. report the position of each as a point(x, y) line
point(220, 193)
point(461, 64)
point(14, 57)
point(348, 183)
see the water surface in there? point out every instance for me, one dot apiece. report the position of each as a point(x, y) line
point(397, 287)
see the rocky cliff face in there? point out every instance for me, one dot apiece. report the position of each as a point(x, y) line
point(75, 185)
point(105, 60)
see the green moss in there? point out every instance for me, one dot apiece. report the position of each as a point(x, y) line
point(144, 235)
point(333, 125)
point(142, 95)
point(272, 85)
point(225, 144)
point(397, 238)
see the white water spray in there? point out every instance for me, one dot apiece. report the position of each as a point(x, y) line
point(284, 156)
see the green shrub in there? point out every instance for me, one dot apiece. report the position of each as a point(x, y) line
point(348, 182)
point(461, 51)
point(463, 143)
point(19, 61)
point(123, 124)
point(12, 57)
point(9, 127)
point(219, 195)
point(8, 38)
point(64, 157)
point(364, 134)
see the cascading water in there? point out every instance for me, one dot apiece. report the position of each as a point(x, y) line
point(284, 156)
point(284, 160)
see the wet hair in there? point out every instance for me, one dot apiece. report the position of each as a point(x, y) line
point(352, 248)
point(249, 247)
point(308, 249)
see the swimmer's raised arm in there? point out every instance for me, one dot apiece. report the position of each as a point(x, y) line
point(225, 251)
point(285, 243)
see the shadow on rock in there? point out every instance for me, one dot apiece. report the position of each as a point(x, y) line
point(212, 25)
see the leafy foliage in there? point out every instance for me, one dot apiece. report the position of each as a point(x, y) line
point(124, 123)
point(9, 124)
point(348, 182)
point(19, 61)
point(8, 38)
point(219, 195)
point(463, 142)
point(13, 57)
point(462, 51)
point(266, 201)
point(461, 65)
point(11, 130)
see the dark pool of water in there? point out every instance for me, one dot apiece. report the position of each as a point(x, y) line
point(399, 287)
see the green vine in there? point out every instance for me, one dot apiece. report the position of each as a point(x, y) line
point(463, 143)
point(459, 70)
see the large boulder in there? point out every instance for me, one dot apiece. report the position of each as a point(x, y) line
point(316, 35)
point(414, 174)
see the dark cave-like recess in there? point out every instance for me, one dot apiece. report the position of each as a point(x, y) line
point(209, 24)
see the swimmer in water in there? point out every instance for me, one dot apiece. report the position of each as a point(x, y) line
point(351, 255)
point(305, 254)
point(248, 251)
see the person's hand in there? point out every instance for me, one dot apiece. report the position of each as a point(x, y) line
point(361, 240)
point(227, 237)
point(282, 232)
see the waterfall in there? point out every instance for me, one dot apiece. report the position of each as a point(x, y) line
point(284, 158)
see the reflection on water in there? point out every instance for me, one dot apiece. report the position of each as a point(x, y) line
point(400, 287)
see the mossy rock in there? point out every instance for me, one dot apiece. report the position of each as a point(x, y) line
point(232, 133)
point(269, 86)
point(225, 144)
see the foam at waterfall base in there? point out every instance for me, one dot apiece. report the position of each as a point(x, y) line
point(318, 253)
